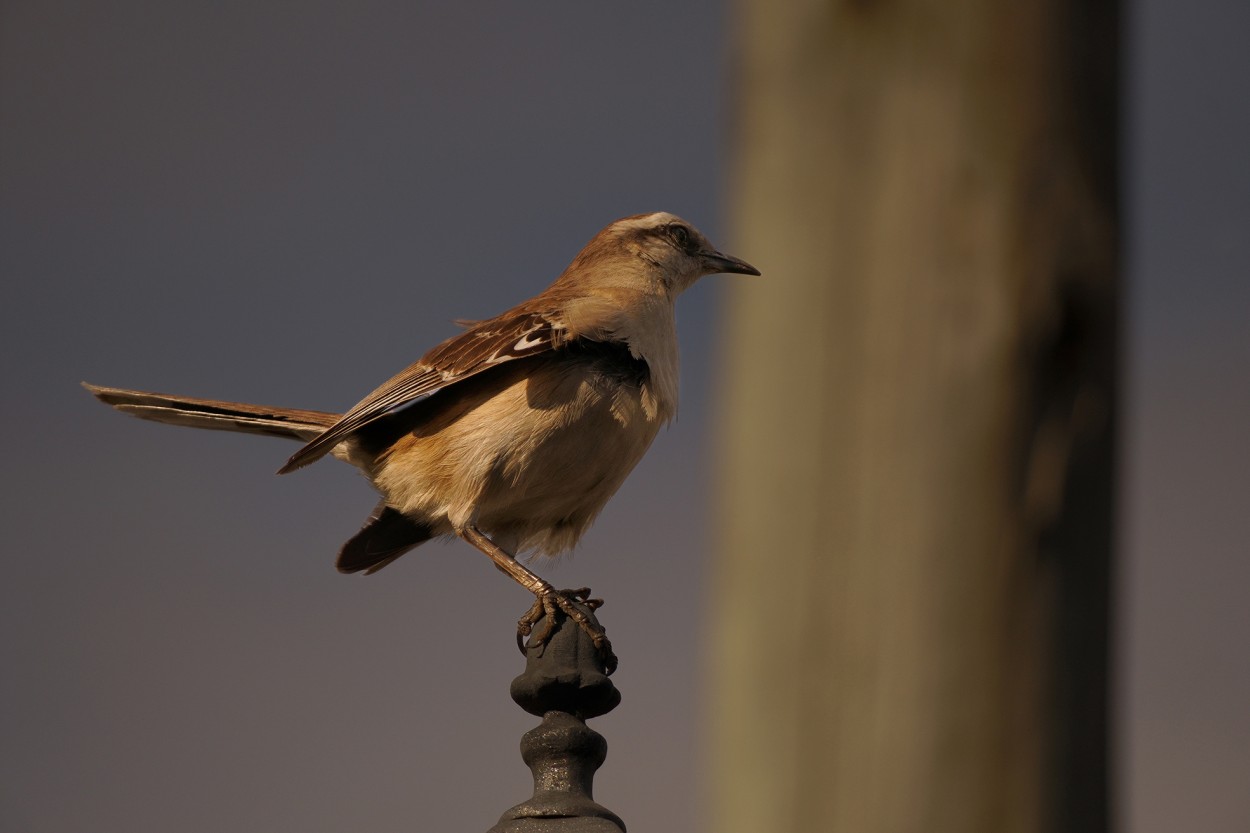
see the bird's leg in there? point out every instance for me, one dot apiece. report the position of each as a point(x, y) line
point(547, 598)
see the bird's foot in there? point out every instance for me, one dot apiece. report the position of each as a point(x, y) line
point(549, 604)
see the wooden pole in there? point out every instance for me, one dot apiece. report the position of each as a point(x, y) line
point(912, 599)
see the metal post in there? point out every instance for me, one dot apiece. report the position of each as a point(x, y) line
point(565, 684)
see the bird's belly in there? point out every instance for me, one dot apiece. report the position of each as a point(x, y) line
point(531, 463)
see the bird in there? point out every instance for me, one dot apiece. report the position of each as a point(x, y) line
point(513, 434)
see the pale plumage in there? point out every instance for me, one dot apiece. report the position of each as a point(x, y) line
point(514, 433)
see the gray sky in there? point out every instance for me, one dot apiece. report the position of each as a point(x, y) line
point(286, 203)
point(1185, 621)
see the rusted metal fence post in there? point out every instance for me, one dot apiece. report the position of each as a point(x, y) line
point(565, 684)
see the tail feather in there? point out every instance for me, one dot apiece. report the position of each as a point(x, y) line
point(386, 535)
point(214, 414)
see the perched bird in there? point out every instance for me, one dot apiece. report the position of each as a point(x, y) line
point(513, 434)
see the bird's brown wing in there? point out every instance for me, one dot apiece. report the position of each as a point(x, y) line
point(513, 335)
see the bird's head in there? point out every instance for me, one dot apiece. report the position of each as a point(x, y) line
point(660, 249)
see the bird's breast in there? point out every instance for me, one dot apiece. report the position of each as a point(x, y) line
point(532, 454)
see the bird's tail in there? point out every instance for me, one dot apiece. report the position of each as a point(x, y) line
point(222, 416)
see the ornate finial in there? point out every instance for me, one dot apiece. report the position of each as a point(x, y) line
point(565, 683)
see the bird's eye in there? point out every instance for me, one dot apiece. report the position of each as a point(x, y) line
point(680, 235)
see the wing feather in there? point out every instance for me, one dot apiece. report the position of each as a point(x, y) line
point(513, 335)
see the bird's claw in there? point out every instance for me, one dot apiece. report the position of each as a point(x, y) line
point(549, 605)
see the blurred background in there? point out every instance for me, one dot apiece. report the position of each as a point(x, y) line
point(286, 203)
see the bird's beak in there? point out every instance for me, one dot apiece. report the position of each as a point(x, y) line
point(718, 263)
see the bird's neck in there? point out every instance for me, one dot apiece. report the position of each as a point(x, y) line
point(628, 304)
point(650, 330)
